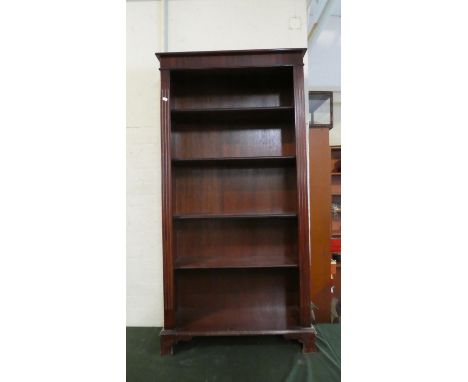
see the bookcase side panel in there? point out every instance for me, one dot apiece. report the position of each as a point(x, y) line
point(166, 171)
point(302, 208)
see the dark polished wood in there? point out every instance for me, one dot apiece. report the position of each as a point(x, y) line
point(232, 89)
point(166, 175)
point(306, 338)
point(169, 339)
point(302, 197)
point(236, 243)
point(336, 188)
point(228, 189)
point(320, 204)
point(235, 216)
point(237, 299)
point(226, 161)
point(231, 59)
point(248, 134)
point(235, 207)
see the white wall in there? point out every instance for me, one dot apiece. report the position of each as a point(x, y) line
point(325, 57)
point(192, 25)
point(324, 68)
point(236, 24)
point(144, 261)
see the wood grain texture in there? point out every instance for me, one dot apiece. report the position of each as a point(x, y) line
point(245, 142)
point(231, 59)
point(166, 177)
point(236, 216)
point(336, 188)
point(235, 212)
point(320, 205)
point(235, 161)
point(231, 243)
point(231, 88)
point(234, 189)
point(302, 198)
point(236, 299)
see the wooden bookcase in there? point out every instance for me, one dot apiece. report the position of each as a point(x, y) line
point(336, 191)
point(336, 224)
point(235, 213)
point(321, 121)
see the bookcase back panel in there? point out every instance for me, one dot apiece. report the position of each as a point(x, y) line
point(335, 159)
point(236, 242)
point(237, 299)
point(213, 189)
point(230, 88)
point(336, 184)
point(227, 141)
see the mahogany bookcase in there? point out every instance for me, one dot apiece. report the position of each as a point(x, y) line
point(234, 192)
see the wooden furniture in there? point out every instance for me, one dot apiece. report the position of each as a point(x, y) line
point(337, 283)
point(336, 190)
point(321, 121)
point(336, 219)
point(234, 189)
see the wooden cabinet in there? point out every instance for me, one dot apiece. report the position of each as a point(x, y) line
point(336, 229)
point(234, 189)
point(325, 193)
point(320, 222)
point(336, 190)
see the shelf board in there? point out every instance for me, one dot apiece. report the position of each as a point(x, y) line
point(290, 159)
point(233, 115)
point(235, 319)
point(336, 173)
point(234, 109)
point(264, 260)
point(236, 216)
point(256, 332)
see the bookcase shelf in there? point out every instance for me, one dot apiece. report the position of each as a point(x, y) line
point(249, 161)
point(336, 190)
point(236, 117)
point(234, 321)
point(234, 110)
point(264, 260)
point(242, 299)
point(235, 214)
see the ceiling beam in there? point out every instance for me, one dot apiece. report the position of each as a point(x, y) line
point(315, 28)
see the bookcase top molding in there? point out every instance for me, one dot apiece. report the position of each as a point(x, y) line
point(231, 58)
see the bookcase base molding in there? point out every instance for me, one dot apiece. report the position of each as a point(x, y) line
point(306, 337)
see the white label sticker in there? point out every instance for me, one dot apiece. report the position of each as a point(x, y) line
point(165, 99)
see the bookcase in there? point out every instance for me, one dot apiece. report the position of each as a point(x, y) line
point(336, 226)
point(234, 193)
point(336, 190)
point(320, 214)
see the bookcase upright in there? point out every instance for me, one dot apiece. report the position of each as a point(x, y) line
point(234, 192)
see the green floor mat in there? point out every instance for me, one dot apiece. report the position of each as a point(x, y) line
point(233, 359)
